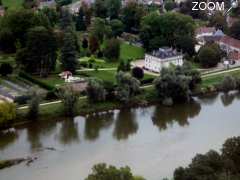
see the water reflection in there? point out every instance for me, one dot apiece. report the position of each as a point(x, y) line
point(93, 125)
point(208, 99)
point(227, 99)
point(7, 139)
point(37, 129)
point(125, 124)
point(69, 132)
point(164, 116)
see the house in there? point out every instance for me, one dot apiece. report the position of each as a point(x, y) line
point(163, 57)
point(2, 11)
point(204, 32)
point(46, 3)
point(231, 46)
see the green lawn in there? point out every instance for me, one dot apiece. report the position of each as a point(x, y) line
point(12, 3)
point(6, 58)
point(216, 79)
point(131, 52)
point(52, 80)
point(101, 63)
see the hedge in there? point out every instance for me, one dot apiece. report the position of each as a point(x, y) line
point(36, 81)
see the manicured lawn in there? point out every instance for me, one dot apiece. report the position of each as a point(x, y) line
point(101, 63)
point(131, 52)
point(52, 80)
point(216, 79)
point(12, 3)
point(6, 58)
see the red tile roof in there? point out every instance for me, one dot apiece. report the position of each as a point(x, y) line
point(230, 41)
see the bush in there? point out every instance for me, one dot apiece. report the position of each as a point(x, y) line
point(21, 100)
point(6, 69)
point(228, 84)
point(35, 81)
point(137, 72)
point(7, 113)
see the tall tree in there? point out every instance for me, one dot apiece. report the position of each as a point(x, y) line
point(100, 9)
point(80, 20)
point(98, 29)
point(117, 27)
point(235, 30)
point(112, 49)
point(40, 52)
point(69, 51)
point(95, 90)
point(113, 7)
point(65, 19)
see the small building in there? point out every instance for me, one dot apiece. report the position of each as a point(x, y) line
point(204, 32)
point(163, 57)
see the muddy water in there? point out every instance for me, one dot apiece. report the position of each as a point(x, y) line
point(153, 141)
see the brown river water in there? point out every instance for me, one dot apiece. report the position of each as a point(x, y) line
point(153, 141)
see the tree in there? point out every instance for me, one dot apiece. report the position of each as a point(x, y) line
point(7, 40)
point(113, 7)
point(104, 172)
point(209, 55)
point(112, 49)
point(6, 69)
point(170, 5)
point(69, 52)
point(98, 29)
point(33, 104)
point(170, 85)
point(1, 3)
point(117, 27)
point(80, 20)
point(127, 86)
point(167, 30)
point(28, 4)
point(93, 44)
point(228, 84)
point(132, 14)
point(124, 65)
point(69, 99)
point(52, 15)
point(95, 90)
point(100, 9)
point(85, 43)
point(218, 20)
point(186, 44)
point(63, 2)
point(7, 113)
point(65, 19)
point(137, 72)
point(40, 52)
point(235, 30)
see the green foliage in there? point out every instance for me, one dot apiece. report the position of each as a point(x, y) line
point(100, 8)
point(93, 44)
point(69, 99)
point(219, 21)
point(170, 5)
point(137, 72)
point(95, 90)
point(63, 2)
point(6, 69)
point(213, 165)
point(39, 56)
point(98, 29)
point(235, 30)
point(33, 109)
point(132, 14)
point(127, 86)
point(167, 30)
point(104, 172)
point(69, 51)
point(66, 20)
point(228, 84)
point(117, 27)
point(80, 20)
point(113, 7)
point(51, 14)
point(124, 65)
point(209, 55)
point(7, 113)
point(112, 49)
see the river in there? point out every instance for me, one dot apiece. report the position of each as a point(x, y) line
point(153, 141)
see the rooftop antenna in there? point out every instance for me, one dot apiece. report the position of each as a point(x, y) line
point(234, 5)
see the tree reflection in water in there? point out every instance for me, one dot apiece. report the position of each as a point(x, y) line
point(7, 139)
point(164, 116)
point(227, 98)
point(94, 124)
point(125, 124)
point(69, 132)
point(208, 99)
point(36, 130)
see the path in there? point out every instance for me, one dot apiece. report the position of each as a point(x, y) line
point(100, 69)
point(220, 72)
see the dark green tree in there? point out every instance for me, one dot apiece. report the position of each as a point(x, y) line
point(117, 27)
point(69, 51)
point(95, 90)
point(6, 69)
point(33, 104)
point(113, 7)
point(65, 19)
point(100, 8)
point(137, 72)
point(85, 43)
point(235, 30)
point(80, 20)
point(112, 49)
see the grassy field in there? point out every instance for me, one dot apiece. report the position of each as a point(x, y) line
point(101, 63)
point(12, 4)
point(131, 52)
point(215, 79)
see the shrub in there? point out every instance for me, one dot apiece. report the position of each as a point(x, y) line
point(6, 69)
point(137, 72)
point(7, 113)
point(228, 84)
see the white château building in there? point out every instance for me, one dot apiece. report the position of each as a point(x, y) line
point(163, 57)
